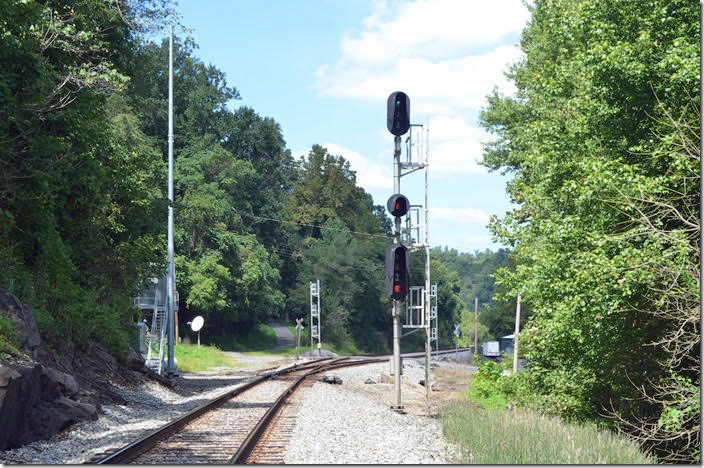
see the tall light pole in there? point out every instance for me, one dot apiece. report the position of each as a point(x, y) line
point(171, 274)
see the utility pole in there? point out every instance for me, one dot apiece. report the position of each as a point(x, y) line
point(476, 325)
point(171, 365)
point(515, 335)
point(299, 328)
point(457, 340)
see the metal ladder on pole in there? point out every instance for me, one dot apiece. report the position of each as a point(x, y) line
point(156, 340)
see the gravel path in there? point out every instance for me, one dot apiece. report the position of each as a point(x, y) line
point(284, 337)
point(358, 427)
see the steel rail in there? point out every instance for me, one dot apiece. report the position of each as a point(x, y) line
point(134, 449)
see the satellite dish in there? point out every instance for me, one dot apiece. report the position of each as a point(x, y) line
point(197, 323)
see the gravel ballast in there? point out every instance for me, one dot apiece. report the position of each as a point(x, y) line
point(353, 423)
point(348, 423)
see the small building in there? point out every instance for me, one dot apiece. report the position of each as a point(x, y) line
point(507, 344)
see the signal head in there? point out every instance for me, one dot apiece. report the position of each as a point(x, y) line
point(397, 205)
point(398, 113)
point(397, 272)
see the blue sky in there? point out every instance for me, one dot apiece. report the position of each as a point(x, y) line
point(323, 70)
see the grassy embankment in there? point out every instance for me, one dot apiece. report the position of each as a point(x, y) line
point(194, 358)
point(486, 433)
point(259, 341)
point(210, 356)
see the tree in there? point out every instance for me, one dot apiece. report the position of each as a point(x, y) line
point(582, 139)
point(224, 271)
point(356, 310)
point(325, 187)
point(76, 194)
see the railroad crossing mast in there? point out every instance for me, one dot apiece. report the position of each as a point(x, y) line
point(419, 312)
point(315, 315)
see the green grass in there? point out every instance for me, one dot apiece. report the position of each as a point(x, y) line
point(526, 437)
point(194, 358)
point(261, 338)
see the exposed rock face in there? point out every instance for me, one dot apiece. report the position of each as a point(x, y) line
point(23, 319)
point(65, 386)
point(32, 405)
point(135, 361)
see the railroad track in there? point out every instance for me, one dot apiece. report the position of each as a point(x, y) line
point(228, 428)
point(251, 423)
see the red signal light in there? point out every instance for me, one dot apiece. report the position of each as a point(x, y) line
point(397, 205)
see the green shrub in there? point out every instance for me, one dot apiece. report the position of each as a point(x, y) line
point(9, 338)
point(259, 338)
point(487, 387)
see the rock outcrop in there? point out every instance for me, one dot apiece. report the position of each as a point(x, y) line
point(34, 403)
point(55, 388)
point(23, 319)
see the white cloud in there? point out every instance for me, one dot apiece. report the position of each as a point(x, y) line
point(433, 49)
point(460, 83)
point(447, 55)
point(436, 29)
point(370, 175)
point(461, 215)
point(455, 146)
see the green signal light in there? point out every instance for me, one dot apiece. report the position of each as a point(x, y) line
point(398, 103)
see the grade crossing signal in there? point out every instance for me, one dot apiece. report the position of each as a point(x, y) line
point(397, 271)
point(398, 113)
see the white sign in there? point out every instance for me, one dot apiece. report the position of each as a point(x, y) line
point(197, 323)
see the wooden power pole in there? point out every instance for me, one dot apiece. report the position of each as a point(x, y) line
point(476, 324)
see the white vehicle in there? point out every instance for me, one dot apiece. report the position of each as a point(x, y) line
point(490, 349)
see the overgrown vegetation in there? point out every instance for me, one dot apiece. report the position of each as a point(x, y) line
point(526, 437)
point(9, 341)
point(500, 422)
point(602, 140)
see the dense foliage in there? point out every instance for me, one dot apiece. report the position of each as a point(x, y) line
point(83, 191)
point(602, 140)
point(78, 208)
point(496, 306)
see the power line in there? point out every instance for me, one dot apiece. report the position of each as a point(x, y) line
point(383, 236)
point(371, 269)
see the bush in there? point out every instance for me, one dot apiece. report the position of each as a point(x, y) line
point(487, 387)
point(9, 338)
